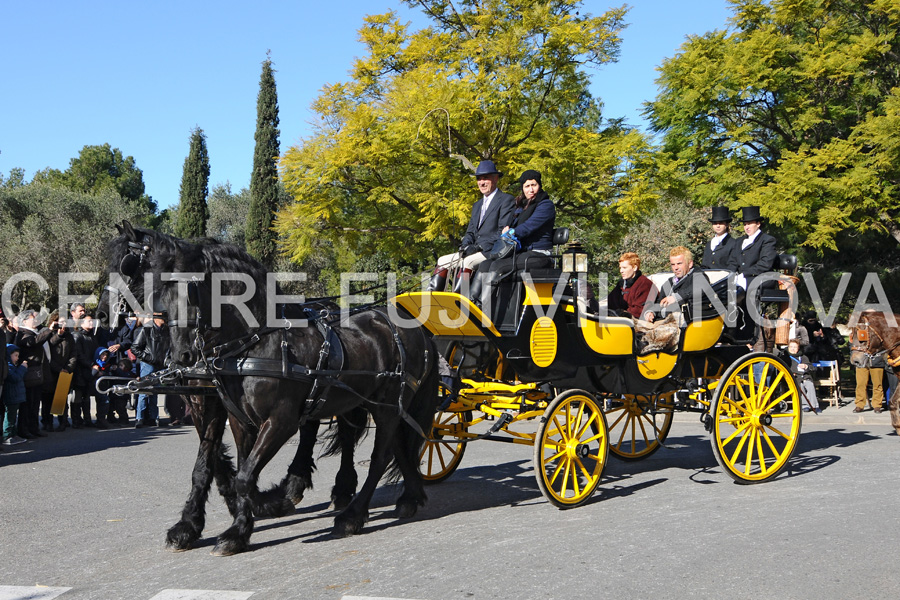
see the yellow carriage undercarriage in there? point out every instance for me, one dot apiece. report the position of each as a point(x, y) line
point(546, 383)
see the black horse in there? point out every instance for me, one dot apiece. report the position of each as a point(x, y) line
point(367, 364)
point(209, 417)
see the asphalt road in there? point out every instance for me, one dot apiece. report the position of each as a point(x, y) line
point(85, 513)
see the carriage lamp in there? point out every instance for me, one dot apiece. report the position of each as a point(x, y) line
point(574, 259)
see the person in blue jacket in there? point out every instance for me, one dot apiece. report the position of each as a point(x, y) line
point(13, 395)
point(531, 231)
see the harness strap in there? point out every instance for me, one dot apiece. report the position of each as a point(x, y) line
point(316, 396)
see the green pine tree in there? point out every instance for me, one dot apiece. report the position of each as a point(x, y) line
point(192, 210)
point(264, 184)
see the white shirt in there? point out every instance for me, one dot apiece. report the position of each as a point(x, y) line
point(485, 203)
point(717, 240)
point(750, 239)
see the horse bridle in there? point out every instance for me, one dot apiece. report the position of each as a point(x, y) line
point(136, 259)
point(862, 330)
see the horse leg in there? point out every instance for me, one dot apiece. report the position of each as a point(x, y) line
point(299, 475)
point(351, 519)
point(265, 504)
point(210, 425)
point(409, 445)
point(351, 427)
point(894, 407)
point(421, 409)
point(272, 436)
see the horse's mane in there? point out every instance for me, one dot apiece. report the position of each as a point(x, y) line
point(173, 255)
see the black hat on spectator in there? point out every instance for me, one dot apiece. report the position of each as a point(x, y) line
point(720, 214)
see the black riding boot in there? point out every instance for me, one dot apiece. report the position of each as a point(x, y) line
point(476, 287)
point(464, 276)
point(438, 281)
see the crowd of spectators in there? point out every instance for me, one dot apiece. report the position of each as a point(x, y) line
point(63, 358)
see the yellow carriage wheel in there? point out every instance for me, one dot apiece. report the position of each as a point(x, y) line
point(438, 460)
point(570, 449)
point(756, 418)
point(635, 432)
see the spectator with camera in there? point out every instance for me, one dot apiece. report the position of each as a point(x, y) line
point(33, 342)
point(62, 359)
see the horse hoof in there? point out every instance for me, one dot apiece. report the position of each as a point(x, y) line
point(228, 548)
point(346, 528)
point(406, 510)
point(295, 486)
point(181, 537)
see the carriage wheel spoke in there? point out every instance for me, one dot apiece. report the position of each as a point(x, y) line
point(737, 450)
point(759, 452)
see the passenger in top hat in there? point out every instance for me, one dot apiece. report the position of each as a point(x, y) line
point(718, 249)
point(490, 214)
point(755, 252)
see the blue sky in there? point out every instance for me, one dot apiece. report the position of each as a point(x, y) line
point(142, 75)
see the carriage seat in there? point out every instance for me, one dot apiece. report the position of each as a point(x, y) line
point(787, 264)
point(718, 279)
point(551, 274)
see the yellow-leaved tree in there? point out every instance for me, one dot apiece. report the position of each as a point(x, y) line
point(390, 164)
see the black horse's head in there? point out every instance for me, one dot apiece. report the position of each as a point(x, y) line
point(211, 291)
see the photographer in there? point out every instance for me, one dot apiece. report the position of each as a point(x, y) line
point(32, 341)
point(62, 359)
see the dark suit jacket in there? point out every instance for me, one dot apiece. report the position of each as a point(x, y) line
point(683, 290)
point(718, 258)
point(499, 215)
point(758, 258)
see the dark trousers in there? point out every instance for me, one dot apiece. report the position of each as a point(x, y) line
point(28, 413)
point(46, 405)
point(118, 405)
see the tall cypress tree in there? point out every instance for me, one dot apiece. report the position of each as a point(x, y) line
point(264, 185)
point(192, 210)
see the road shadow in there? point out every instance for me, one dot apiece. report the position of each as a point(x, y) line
point(76, 442)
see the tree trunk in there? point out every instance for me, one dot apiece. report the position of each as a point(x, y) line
point(892, 225)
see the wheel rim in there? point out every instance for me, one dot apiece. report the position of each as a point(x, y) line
point(756, 419)
point(634, 432)
point(572, 449)
point(438, 460)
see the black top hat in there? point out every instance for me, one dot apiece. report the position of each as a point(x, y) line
point(487, 167)
point(750, 213)
point(720, 214)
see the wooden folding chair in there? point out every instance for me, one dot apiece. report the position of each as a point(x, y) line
point(830, 386)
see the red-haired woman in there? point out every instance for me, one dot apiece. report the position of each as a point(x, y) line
point(630, 294)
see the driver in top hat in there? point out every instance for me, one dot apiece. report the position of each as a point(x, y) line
point(718, 249)
point(755, 252)
point(490, 214)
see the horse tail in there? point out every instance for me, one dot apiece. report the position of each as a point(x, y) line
point(351, 429)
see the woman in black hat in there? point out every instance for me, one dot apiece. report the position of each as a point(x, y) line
point(532, 228)
point(718, 249)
